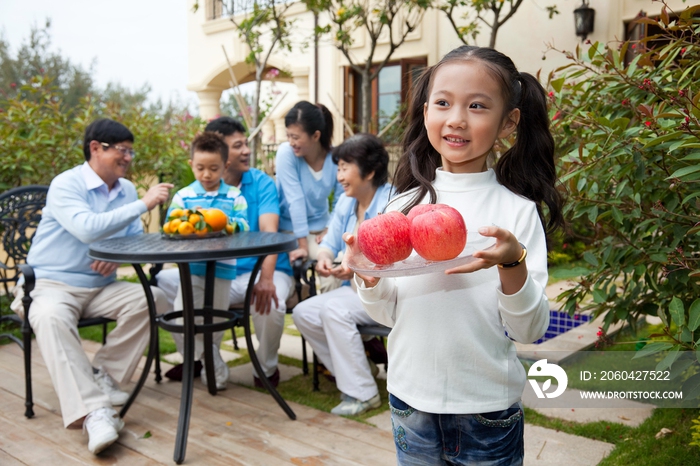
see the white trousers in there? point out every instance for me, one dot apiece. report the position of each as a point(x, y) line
point(54, 314)
point(268, 328)
point(329, 323)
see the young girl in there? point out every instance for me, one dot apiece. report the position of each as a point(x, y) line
point(455, 382)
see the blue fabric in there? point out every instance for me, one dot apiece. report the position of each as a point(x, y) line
point(487, 439)
point(74, 217)
point(230, 201)
point(260, 192)
point(303, 199)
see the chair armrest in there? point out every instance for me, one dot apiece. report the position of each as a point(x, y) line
point(29, 278)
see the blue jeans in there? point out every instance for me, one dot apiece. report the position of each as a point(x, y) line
point(488, 439)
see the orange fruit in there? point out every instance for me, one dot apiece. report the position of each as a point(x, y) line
point(229, 229)
point(174, 225)
point(166, 228)
point(176, 213)
point(185, 228)
point(215, 218)
point(194, 218)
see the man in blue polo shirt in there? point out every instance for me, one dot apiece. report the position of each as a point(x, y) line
point(88, 203)
point(274, 284)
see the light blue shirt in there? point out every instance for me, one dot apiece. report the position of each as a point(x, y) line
point(80, 209)
point(344, 218)
point(260, 192)
point(304, 199)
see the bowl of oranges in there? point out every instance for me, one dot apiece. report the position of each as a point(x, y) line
point(197, 223)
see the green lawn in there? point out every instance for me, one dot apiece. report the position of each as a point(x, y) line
point(634, 445)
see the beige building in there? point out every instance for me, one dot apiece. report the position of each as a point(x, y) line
point(526, 38)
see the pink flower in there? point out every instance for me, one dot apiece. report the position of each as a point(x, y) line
point(556, 116)
point(682, 50)
point(183, 144)
point(647, 123)
point(551, 93)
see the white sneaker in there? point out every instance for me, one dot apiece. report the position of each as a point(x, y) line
point(221, 372)
point(103, 426)
point(110, 387)
point(351, 406)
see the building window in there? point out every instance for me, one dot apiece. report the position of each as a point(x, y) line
point(215, 9)
point(390, 92)
point(645, 36)
point(388, 95)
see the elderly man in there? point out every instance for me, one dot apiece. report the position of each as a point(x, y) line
point(85, 204)
point(274, 284)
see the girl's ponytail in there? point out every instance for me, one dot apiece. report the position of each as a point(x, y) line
point(419, 160)
point(528, 167)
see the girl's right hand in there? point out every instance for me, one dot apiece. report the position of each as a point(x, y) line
point(352, 250)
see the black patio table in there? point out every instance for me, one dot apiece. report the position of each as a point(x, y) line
point(154, 248)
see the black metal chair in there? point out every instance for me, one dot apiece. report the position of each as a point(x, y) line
point(20, 213)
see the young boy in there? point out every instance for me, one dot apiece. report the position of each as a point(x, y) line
point(208, 159)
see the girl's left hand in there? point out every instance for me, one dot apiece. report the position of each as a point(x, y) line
point(506, 250)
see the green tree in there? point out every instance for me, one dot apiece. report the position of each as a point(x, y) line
point(627, 119)
point(389, 20)
point(39, 140)
point(35, 59)
point(490, 13)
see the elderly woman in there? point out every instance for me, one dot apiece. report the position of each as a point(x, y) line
point(329, 321)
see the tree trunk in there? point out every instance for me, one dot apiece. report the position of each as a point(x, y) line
point(494, 33)
point(255, 117)
point(366, 101)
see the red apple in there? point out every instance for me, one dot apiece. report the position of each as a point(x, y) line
point(386, 238)
point(438, 232)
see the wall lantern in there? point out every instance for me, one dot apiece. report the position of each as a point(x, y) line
point(584, 17)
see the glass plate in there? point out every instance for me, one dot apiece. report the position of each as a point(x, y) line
point(416, 265)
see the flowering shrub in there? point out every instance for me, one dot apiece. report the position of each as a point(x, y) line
point(39, 139)
point(629, 139)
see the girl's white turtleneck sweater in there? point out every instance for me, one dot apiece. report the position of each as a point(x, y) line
point(448, 352)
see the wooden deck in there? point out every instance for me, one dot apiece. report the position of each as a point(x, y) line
point(239, 426)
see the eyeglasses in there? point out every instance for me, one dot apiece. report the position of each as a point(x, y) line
point(122, 150)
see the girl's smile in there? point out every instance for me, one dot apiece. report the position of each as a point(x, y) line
point(464, 115)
